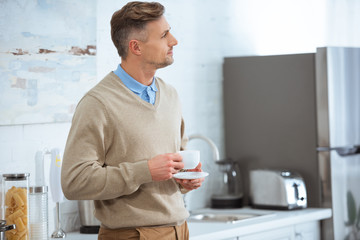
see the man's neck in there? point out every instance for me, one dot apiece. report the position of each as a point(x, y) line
point(139, 73)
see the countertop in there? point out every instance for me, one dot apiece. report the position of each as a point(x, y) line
point(270, 219)
point(273, 219)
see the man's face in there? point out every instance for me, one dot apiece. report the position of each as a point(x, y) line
point(157, 50)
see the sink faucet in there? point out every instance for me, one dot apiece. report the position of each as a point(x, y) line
point(215, 150)
point(216, 158)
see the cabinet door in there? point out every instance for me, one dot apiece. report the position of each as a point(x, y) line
point(286, 233)
point(307, 231)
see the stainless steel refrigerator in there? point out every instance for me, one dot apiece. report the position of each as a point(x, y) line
point(300, 112)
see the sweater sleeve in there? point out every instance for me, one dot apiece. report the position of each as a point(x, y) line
point(85, 174)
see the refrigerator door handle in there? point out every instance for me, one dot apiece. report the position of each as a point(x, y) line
point(342, 151)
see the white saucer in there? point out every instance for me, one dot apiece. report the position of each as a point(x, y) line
point(190, 175)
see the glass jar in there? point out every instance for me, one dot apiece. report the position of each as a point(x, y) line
point(15, 189)
point(38, 215)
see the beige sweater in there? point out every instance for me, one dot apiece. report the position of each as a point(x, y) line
point(113, 135)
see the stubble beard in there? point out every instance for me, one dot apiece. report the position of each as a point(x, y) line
point(168, 61)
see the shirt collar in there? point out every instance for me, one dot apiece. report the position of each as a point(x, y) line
point(131, 83)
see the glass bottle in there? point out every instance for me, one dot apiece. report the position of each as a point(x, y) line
point(38, 215)
point(15, 191)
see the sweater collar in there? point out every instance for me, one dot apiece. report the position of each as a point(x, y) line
point(131, 83)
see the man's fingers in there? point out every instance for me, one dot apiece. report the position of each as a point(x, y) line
point(178, 165)
point(176, 157)
point(198, 166)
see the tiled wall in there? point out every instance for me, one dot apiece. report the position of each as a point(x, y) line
point(207, 31)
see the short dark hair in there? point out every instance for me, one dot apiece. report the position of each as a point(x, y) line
point(132, 17)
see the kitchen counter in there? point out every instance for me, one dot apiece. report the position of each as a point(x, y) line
point(269, 220)
point(274, 219)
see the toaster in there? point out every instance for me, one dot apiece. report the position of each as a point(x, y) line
point(272, 189)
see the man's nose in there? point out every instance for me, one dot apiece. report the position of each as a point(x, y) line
point(173, 40)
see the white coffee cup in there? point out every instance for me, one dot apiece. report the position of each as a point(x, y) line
point(190, 158)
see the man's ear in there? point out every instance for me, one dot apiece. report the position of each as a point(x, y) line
point(134, 47)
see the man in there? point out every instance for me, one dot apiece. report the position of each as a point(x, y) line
point(122, 146)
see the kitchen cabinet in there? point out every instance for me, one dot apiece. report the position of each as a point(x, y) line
point(302, 224)
point(305, 231)
point(286, 233)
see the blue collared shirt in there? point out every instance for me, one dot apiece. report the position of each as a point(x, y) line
point(147, 93)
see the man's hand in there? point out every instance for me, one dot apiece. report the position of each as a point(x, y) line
point(162, 167)
point(192, 183)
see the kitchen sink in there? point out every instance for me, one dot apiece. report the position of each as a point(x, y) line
point(226, 217)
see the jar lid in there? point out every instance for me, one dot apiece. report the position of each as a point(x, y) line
point(15, 176)
point(38, 189)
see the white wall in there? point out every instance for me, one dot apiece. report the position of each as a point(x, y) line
point(207, 31)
